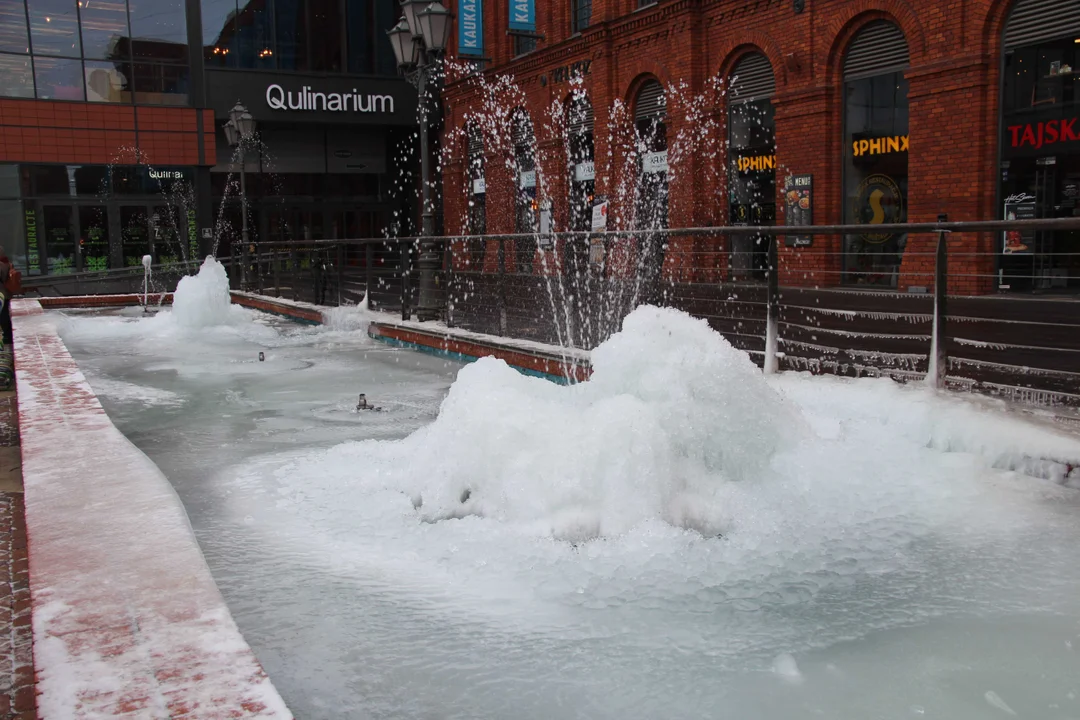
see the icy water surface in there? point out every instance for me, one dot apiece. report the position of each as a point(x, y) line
point(677, 538)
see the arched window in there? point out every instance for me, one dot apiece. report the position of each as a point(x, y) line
point(581, 148)
point(752, 161)
point(525, 209)
point(1040, 142)
point(875, 152)
point(650, 112)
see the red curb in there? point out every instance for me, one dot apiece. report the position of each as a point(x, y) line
point(126, 617)
point(73, 301)
point(514, 357)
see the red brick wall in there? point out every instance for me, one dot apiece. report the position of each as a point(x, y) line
point(953, 102)
point(69, 132)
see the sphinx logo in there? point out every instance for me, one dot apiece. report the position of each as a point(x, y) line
point(308, 100)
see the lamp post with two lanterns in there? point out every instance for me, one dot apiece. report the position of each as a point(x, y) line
point(419, 40)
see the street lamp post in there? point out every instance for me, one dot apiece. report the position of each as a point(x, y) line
point(419, 40)
point(238, 132)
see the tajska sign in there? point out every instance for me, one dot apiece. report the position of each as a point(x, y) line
point(1051, 132)
point(307, 100)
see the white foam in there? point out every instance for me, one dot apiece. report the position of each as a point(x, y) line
point(203, 300)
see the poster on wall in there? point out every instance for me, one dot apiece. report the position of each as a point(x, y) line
point(798, 208)
point(1019, 242)
point(599, 224)
point(471, 28)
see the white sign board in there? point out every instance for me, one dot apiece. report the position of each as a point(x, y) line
point(654, 162)
point(599, 217)
point(584, 171)
point(479, 187)
point(527, 179)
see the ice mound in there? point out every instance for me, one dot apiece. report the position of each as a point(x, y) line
point(671, 414)
point(203, 300)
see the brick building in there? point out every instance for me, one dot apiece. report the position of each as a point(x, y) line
point(700, 112)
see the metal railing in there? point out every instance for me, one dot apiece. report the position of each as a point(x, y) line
point(910, 315)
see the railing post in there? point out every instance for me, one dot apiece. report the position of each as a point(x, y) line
point(939, 356)
point(405, 314)
point(772, 310)
point(340, 259)
point(275, 259)
point(448, 282)
point(369, 270)
point(502, 287)
point(294, 266)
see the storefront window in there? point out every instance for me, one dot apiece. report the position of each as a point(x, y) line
point(134, 234)
point(1040, 169)
point(875, 175)
point(751, 183)
point(94, 238)
point(59, 239)
point(13, 232)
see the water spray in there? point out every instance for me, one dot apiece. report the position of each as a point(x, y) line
point(146, 262)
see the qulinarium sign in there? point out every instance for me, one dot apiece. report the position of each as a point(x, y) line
point(307, 100)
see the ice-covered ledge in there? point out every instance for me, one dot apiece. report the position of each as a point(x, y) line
point(528, 356)
point(127, 619)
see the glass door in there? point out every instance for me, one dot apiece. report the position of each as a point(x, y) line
point(134, 234)
point(94, 237)
point(58, 221)
point(166, 233)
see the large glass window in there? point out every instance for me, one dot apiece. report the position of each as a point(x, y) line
point(54, 28)
point(300, 35)
point(58, 78)
point(114, 51)
point(368, 47)
point(104, 25)
point(16, 76)
point(13, 35)
point(580, 14)
point(875, 175)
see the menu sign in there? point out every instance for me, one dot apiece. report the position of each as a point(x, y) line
point(1019, 242)
point(798, 207)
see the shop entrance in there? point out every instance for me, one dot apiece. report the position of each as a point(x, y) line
point(94, 237)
